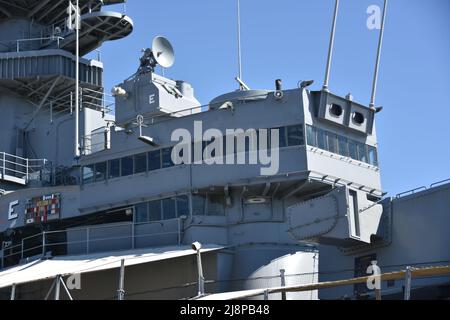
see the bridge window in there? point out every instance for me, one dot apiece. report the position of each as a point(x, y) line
point(88, 174)
point(373, 156)
point(332, 142)
point(311, 134)
point(114, 168)
point(101, 171)
point(141, 213)
point(127, 166)
point(167, 158)
point(160, 210)
point(322, 140)
point(283, 137)
point(295, 136)
point(154, 160)
point(183, 206)
point(362, 153)
point(140, 163)
point(169, 209)
point(215, 205)
point(353, 150)
point(155, 211)
point(343, 146)
point(198, 205)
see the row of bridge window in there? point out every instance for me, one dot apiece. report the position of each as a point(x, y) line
point(161, 159)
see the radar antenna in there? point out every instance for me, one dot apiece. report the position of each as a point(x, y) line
point(161, 53)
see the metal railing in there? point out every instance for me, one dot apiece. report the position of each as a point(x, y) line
point(20, 44)
point(420, 189)
point(52, 38)
point(93, 239)
point(22, 168)
point(407, 275)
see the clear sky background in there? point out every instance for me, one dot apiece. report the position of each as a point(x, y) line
point(288, 39)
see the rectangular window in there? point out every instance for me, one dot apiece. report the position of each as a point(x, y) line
point(282, 132)
point(343, 146)
point(373, 156)
point(88, 174)
point(353, 150)
point(332, 142)
point(321, 140)
point(295, 136)
point(215, 205)
point(154, 160)
point(362, 153)
point(101, 170)
point(154, 211)
point(311, 134)
point(167, 158)
point(114, 168)
point(141, 213)
point(198, 205)
point(183, 206)
point(127, 166)
point(283, 137)
point(140, 163)
point(169, 209)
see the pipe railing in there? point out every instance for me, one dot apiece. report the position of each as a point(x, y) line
point(408, 275)
point(45, 243)
point(41, 39)
point(421, 189)
point(18, 167)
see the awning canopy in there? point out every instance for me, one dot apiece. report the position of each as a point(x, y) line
point(66, 266)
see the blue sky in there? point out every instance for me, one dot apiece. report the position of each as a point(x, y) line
point(288, 39)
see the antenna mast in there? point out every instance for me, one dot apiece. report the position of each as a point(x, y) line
point(330, 50)
point(377, 64)
point(239, 41)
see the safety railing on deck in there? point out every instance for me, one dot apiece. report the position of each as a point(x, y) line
point(421, 189)
point(93, 239)
point(408, 275)
point(21, 168)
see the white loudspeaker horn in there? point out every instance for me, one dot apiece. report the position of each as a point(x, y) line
point(163, 52)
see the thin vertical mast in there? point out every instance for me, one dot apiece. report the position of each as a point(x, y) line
point(330, 50)
point(377, 64)
point(239, 39)
point(77, 81)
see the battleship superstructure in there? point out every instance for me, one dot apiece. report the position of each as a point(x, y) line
point(126, 199)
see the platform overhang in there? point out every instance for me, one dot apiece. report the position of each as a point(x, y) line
point(66, 266)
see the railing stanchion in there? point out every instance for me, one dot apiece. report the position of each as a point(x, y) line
point(27, 170)
point(43, 244)
point(4, 165)
point(88, 236)
point(22, 249)
point(408, 282)
point(133, 235)
point(179, 231)
point(13, 292)
point(283, 283)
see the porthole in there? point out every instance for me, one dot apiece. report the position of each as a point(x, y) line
point(358, 118)
point(336, 110)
